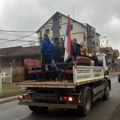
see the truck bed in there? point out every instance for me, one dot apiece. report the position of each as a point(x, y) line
point(57, 84)
point(81, 75)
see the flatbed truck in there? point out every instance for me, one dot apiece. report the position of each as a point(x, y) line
point(88, 84)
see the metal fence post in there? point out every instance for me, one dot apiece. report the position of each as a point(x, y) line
point(0, 84)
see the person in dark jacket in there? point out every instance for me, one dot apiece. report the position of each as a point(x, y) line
point(95, 59)
point(75, 48)
point(47, 50)
point(75, 51)
point(58, 54)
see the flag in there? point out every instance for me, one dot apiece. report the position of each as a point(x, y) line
point(67, 42)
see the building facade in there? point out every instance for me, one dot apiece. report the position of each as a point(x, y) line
point(112, 57)
point(56, 26)
point(116, 60)
point(92, 39)
point(15, 56)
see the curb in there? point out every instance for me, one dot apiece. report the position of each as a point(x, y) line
point(8, 99)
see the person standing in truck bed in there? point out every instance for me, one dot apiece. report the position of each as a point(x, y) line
point(75, 48)
point(84, 49)
point(47, 51)
point(58, 54)
point(95, 59)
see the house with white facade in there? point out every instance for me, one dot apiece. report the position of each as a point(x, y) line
point(56, 26)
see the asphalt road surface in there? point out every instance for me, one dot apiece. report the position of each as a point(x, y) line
point(101, 110)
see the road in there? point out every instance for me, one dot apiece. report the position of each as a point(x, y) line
point(101, 110)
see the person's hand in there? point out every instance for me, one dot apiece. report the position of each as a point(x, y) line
point(46, 68)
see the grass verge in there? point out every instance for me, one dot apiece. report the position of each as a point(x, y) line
point(9, 90)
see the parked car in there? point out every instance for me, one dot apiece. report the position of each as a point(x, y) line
point(119, 77)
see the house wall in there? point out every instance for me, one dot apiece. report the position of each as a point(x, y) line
point(79, 32)
point(15, 61)
point(95, 44)
point(5, 62)
point(112, 58)
point(8, 62)
point(41, 33)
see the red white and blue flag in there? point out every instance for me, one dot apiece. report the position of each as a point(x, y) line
point(67, 43)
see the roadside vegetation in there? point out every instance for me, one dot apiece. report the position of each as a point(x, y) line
point(9, 89)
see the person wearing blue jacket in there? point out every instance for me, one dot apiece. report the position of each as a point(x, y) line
point(47, 51)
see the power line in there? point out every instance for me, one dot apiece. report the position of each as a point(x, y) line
point(15, 35)
point(9, 33)
point(18, 38)
point(15, 31)
point(28, 44)
point(15, 41)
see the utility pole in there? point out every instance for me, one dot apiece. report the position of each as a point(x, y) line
point(0, 83)
point(73, 12)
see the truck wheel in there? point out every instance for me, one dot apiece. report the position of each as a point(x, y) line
point(34, 109)
point(106, 91)
point(37, 109)
point(118, 80)
point(86, 102)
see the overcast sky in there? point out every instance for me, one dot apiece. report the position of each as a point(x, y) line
point(29, 15)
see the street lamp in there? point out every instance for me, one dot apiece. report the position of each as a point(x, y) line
point(102, 37)
point(101, 42)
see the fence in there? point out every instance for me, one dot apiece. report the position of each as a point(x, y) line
point(7, 88)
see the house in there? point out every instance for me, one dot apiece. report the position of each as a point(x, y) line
point(92, 39)
point(55, 27)
point(116, 60)
point(15, 56)
point(112, 57)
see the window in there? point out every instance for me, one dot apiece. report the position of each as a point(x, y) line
point(60, 18)
point(56, 39)
point(71, 26)
point(47, 31)
point(59, 27)
point(55, 17)
point(96, 44)
point(61, 39)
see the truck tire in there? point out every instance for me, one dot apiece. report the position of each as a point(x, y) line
point(118, 78)
point(37, 109)
point(86, 102)
point(106, 91)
